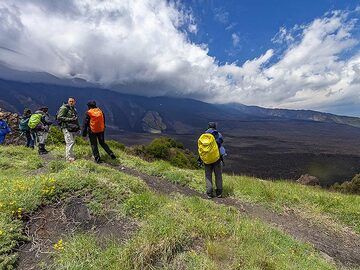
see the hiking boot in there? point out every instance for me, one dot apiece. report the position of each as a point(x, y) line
point(112, 155)
point(71, 160)
point(219, 193)
point(209, 196)
point(42, 150)
point(98, 160)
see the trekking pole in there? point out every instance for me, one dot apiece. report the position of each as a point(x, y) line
point(16, 140)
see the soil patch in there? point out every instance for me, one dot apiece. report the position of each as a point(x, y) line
point(343, 247)
point(62, 219)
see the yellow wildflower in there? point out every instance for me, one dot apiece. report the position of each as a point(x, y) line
point(59, 245)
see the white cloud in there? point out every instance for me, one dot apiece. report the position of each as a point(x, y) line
point(142, 47)
point(283, 36)
point(235, 39)
point(221, 15)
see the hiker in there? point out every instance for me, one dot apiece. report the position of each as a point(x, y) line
point(67, 117)
point(25, 129)
point(211, 153)
point(4, 129)
point(94, 126)
point(39, 124)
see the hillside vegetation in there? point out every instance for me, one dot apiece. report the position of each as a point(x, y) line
point(168, 231)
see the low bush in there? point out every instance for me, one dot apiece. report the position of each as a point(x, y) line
point(352, 186)
point(167, 149)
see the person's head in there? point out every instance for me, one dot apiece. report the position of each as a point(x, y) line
point(44, 109)
point(91, 104)
point(71, 101)
point(27, 111)
point(212, 125)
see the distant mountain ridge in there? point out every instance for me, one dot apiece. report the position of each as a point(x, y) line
point(297, 114)
point(151, 114)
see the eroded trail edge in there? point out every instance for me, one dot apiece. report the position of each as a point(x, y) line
point(343, 248)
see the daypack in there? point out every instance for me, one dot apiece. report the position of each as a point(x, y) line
point(35, 120)
point(24, 124)
point(208, 148)
point(57, 115)
point(97, 123)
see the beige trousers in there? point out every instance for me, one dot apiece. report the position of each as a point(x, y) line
point(70, 141)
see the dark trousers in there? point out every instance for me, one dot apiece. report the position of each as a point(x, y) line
point(209, 169)
point(94, 138)
point(29, 139)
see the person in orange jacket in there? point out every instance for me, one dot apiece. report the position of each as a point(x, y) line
point(94, 127)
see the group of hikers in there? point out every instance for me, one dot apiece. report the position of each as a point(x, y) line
point(36, 126)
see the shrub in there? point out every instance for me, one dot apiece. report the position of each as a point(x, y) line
point(56, 136)
point(160, 148)
point(167, 149)
point(352, 186)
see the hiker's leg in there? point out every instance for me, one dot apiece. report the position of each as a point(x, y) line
point(94, 146)
point(45, 136)
point(70, 141)
point(2, 139)
point(33, 135)
point(28, 138)
point(218, 177)
point(208, 179)
point(101, 138)
point(41, 142)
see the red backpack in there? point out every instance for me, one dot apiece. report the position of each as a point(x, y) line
point(97, 123)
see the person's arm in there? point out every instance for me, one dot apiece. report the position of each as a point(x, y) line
point(46, 120)
point(85, 126)
point(200, 163)
point(220, 139)
point(104, 120)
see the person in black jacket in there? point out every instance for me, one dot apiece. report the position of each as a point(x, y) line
point(24, 128)
point(94, 126)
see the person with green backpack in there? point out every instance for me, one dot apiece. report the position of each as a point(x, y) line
point(25, 129)
point(211, 153)
point(39, 124)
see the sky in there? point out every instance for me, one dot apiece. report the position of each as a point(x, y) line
point(272, 53)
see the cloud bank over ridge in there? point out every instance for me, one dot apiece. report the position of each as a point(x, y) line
point(142, 46)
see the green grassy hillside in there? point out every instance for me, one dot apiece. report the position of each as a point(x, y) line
point(170, 231)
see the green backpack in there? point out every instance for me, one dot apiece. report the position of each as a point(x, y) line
point(35, 120)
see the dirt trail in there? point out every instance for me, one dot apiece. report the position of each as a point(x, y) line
point(343, 248)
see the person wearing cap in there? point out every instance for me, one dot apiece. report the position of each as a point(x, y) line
point(41, 131)
point(94, 127)
point(216, 167)
point(67, 117)
point(24, 128)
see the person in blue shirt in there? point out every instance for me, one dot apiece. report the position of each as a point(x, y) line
point(4, 130)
